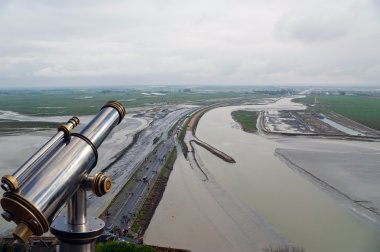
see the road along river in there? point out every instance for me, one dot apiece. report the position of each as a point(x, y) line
point(302, 212)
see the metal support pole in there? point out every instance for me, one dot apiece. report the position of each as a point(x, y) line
point(75, 232)
point(63, 246)
point(76, 208)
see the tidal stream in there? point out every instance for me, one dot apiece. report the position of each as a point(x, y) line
point(301, 211)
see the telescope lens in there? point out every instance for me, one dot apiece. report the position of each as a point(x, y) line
point(9, 183)
point(5, 187)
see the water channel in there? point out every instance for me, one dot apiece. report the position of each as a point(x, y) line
point(298, 209)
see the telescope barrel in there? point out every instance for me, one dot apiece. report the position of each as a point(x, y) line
point(102, 125)
point(11, 183)
point(57, 178)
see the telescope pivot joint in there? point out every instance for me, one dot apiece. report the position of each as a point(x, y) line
point(99, 184)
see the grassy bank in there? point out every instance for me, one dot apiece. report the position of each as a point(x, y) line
point(130, 247)
point(189, 123)
point(194, 120)
point(362, 109)
point(181, 137)
point(247, 119)
point(121, 246)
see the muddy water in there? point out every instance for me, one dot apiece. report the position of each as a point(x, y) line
point(300, 211)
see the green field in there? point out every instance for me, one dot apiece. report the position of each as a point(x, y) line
point(121, 246)
point(363, 109)
point(85, 102)
point(247, 119)
point(11, 127)
point(70, 102)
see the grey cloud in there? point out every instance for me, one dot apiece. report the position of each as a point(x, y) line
point(376, 4)
point(313, 31)
point(188, 42)
point(311, 27)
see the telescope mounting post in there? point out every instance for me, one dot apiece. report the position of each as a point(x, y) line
point(76, 231)
point(58, 173)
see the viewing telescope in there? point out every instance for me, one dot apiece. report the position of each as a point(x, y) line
point(58, 173)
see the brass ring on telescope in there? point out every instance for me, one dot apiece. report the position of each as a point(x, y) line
point(96, 185)
point(107, 184)
point(88, 141)
point(65, 129)
point(118, 106)
point(28, 218)
point(10, 181)
point(101, 184)
point(74, 121)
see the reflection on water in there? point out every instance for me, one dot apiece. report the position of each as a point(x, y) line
point(299, 210)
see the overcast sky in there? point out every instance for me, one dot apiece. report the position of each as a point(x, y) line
point(245, 42)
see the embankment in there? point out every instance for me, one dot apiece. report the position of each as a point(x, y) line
point(214, 151)
point(191, 130)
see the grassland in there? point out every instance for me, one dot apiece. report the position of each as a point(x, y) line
point(247, 119)
point(85, 102)
point(121, 246)
point(69, 102)
point(363, 109)
point(12, 127)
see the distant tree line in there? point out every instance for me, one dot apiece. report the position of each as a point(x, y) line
point(276, 92)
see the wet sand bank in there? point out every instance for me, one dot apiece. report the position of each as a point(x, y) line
point(350, 172)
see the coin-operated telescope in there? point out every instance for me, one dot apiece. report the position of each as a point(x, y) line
point(57, 174)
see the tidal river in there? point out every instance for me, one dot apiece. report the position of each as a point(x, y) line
point(302, 212)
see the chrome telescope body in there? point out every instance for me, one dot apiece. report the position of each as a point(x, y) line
point(59, 173)
point(11, 183)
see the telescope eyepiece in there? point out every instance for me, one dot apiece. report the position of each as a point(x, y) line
point(118, 106)
point(9, 183)
point(74, 121)
point(5, 187)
